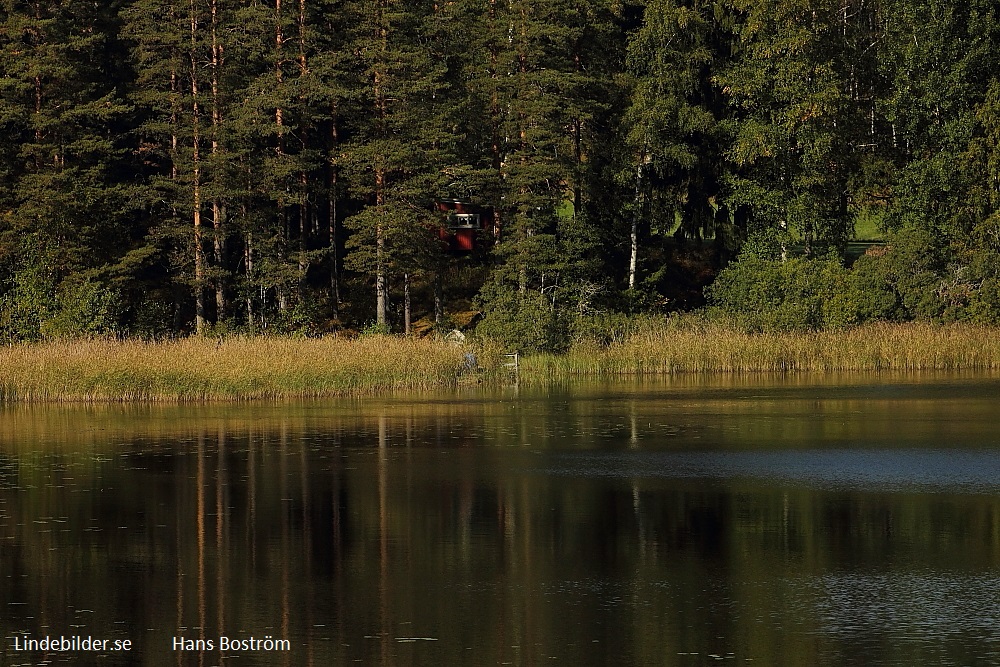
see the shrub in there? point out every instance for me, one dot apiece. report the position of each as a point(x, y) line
point(84, 308)
point(798, 293)
point(524, 322)
point(28, 303)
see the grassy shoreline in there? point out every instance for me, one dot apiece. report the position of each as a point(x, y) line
point(240, 369)
point(234, 369)
point(713, 348)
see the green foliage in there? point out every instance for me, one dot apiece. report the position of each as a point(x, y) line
point(28, 302)
point(259, 167)
point(671, 124)
point(767, 294)
point(84, 308)
point(524, 322)
point(35, 307)
point(301, 319)
point(374, 330)
point(790, 148)
point(914, 277)
point(803, 293)
point(150, 319)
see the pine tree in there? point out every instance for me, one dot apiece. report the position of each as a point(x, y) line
point(170, 44)
point(540, 74)
point(62, 186)
point(791, 150)
point(396, 159)
point(672, 119)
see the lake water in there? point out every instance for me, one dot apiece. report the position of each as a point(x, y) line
point(815, 520)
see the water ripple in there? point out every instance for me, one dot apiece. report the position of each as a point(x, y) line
point(928, 469)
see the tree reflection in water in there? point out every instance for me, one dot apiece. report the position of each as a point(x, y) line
point(628, 528)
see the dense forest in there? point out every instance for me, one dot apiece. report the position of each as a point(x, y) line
point(213, 166)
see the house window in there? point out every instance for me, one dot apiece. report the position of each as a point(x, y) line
point(463, 221)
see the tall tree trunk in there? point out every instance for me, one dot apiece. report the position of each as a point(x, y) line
point(406, 304)
point(636, 217)
point(248, 260)
point(332, 221)
point(175, 104)
point(218, 209)
point(199, 253)
point(175, 96)
point(279, 121)
point(219, 246)
point(381, 291)
point(303, 176)
point(381, 287)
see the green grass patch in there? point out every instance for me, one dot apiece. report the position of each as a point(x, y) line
point(868, 224)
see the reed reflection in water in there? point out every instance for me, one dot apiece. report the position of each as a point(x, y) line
point(677, 526)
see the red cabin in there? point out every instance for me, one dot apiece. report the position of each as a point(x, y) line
point(464, 221)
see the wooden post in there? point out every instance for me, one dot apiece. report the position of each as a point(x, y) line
point(514, 363)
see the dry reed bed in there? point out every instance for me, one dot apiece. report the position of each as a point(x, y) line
point(275, 368)
point(232, 369)
point(717, 349)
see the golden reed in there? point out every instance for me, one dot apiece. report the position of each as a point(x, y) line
point(714, 348)
point(236, 369)
point(224, 369)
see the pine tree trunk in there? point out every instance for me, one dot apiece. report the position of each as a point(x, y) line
point(381, 291)
point(219, 241)
point(175, 94)
point(381, 288)
point(218, 209)
point(332, 202)
point(175, 97)
point(303, 177)
point(279, 121)
point(248, 260)
point(199, 253)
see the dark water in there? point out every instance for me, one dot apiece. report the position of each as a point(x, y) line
point(808, 521)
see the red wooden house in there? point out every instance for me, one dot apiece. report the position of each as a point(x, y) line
point(464, 221)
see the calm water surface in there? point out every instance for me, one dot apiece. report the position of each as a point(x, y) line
point(805, 521)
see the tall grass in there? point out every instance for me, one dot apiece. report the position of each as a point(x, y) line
point(232, 369)
point(704, 347)
point(279, 368)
